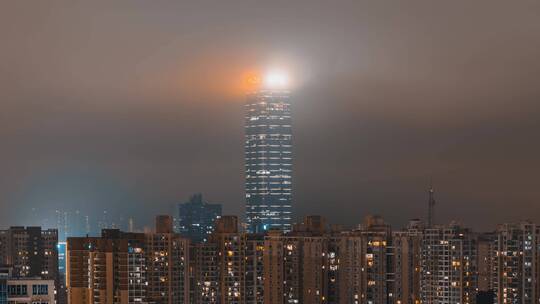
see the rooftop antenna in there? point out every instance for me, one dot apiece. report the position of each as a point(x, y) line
point(431, 204)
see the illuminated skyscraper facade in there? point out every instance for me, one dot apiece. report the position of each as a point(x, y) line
point(268, 160)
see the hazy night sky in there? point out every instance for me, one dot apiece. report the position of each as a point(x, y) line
point(131, 106)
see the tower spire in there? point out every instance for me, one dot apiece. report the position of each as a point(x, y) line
point(431, 203)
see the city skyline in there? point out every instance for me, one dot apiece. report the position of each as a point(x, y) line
point(315, 262)
point(140, 105)
point(269, 152)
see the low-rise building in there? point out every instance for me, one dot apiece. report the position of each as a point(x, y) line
point(30, 291)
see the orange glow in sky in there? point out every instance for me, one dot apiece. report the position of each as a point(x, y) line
point(274, 79)
point(252, 80)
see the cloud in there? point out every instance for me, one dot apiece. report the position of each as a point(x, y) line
point(148, 95)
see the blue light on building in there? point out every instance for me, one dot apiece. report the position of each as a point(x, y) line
point(62, 261)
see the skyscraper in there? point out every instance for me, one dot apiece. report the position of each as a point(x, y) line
point(268, 158)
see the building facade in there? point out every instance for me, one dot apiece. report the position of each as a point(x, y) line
point(407, 253)
point(3, 289)
point(61, 284)
point(121, 267)
point(449, 265)
point(486, 262)
point(268, 161)
point(312, 263)
point(196, 218)
point(516, 262)
point(229, 267)
point(30, 291)
point(167, 264)
point(30, 251)
point(97, 268)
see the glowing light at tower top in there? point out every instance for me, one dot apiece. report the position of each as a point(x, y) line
point(273, 79)
point(276, 79)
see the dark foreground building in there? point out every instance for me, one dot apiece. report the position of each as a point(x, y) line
point(121, 267)
point(30, 252)
point(314, 263)
point(196, 218)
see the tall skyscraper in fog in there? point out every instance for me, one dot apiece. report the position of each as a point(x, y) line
point(268, 158)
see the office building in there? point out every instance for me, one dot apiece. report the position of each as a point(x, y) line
point(196, 218)
point(268, 160)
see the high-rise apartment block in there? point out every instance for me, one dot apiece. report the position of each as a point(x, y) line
point(121, 267)
point(313, 263)
point(296, 264)
point(407, 255)
point(229, 267)
point(516, 260)
point(486, 263)
point(97, 268)
point(168, 264)
point(196, 218)
point(449, 265)
point(30, 251)
point(319, 264)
